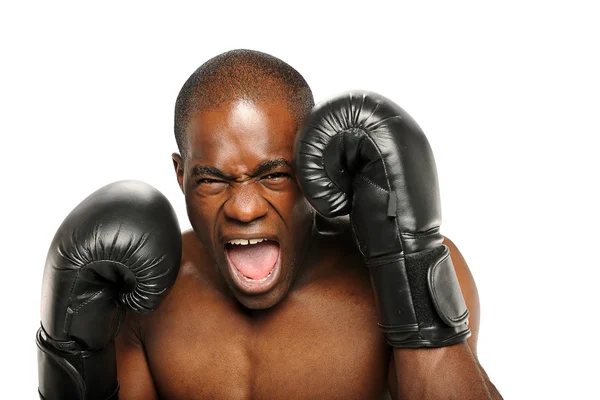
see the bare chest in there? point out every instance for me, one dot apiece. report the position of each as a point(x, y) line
point(318, 344)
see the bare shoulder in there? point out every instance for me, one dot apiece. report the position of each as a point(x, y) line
point(133, 364)
point(337, 283)
point(334, 251)
point(341, 254)
point(469, 290)
point(194, 272)
point(197, 266)
point(196, 278)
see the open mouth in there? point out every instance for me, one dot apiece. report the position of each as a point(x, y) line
point(253, 263)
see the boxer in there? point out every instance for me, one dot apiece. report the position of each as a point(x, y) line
point(272, 299)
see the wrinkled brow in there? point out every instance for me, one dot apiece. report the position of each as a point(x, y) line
point(212, 171)
point(262, 168)
point(267, 166)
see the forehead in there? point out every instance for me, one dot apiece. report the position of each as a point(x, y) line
point(241, 133)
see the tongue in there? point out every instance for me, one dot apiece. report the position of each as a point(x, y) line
point(254, 261)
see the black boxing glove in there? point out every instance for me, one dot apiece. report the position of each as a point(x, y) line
point(360, 153)
point(120, 248)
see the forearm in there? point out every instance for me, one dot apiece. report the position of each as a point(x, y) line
point(450, 372)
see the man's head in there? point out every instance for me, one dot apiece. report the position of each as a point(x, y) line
point(240, 75)
point(235, 122)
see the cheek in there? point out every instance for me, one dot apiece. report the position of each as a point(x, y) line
point(302, 210)
point(292, 203)
point(301, 206)
point(300, 215)
point(201, 216)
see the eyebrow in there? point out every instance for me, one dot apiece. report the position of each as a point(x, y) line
point(262, 168)
point(212, 171)
point(266, 166)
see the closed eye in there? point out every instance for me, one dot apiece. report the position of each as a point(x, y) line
point(208, 181)
point(276, 175)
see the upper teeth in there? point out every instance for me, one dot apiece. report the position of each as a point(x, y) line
point(244, 242)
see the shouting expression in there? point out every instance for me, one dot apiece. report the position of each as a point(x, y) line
point(242, 198)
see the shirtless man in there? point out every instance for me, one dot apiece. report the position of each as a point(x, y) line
point(271, 300)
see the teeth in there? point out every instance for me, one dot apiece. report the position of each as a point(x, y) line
point(245, 242)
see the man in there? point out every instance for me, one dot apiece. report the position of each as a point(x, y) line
point(273, 301)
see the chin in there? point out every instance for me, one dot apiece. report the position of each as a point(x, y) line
point(262, 302)
point(278, 290)
point(263, 293)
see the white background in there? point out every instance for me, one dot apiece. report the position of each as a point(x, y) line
point(508, 94)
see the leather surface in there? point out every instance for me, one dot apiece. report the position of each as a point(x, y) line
point(361, 154)
point(56, 376)
point(379, 146)
point(445, 291)
point(119, 249)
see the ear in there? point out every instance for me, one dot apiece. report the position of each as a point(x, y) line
point(178, 164)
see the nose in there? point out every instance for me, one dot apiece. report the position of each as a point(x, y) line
point(245, 205)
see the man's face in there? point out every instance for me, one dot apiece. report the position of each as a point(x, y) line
point(243, 200)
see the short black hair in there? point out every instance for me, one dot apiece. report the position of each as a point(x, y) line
point(240, 74)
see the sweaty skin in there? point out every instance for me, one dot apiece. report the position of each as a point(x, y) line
point(312, 334)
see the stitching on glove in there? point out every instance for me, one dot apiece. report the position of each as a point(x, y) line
point(385, 171)
point(417, 235)
point(376, 186)
point(92, 297)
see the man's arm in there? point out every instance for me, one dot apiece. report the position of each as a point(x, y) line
point(133, 370)
point(445, 372)
point(360, 153)
point(102, 263)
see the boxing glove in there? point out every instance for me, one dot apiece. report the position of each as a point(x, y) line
point(359, 153)
point(119, 249)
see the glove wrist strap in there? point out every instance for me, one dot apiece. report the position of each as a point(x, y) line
point(70, 374)
point(419, 298)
